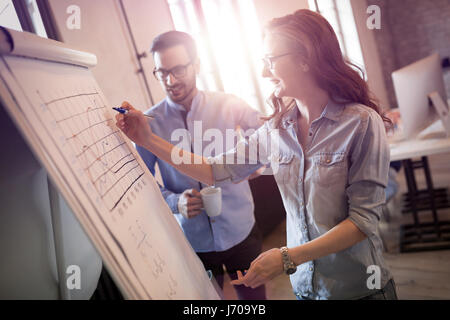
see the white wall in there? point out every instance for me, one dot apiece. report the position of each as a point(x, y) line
point(149, 19)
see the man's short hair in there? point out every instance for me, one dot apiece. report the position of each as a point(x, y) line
point(174, 38)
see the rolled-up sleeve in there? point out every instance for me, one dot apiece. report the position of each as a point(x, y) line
point(225, 172)
point(368, 175)
point(240, 162)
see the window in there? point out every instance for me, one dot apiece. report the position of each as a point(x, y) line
point(36, 19)
point(25, 15)
point(340, 15)
point(229, 43)
point(8, 16)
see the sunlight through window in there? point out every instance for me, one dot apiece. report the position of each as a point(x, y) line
point(229, 42)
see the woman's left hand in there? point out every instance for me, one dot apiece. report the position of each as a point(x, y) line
point(265, 267)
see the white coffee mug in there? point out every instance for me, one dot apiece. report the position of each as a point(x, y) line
point(212, 200)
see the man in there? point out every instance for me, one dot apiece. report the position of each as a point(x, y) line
point(232, 238)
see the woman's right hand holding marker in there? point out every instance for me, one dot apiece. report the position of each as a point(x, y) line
point(134, 124)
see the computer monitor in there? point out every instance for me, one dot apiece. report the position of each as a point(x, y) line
point(413, 84)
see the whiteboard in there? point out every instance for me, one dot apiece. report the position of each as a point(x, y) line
point(54, 100)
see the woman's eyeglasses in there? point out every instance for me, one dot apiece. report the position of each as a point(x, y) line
point(270, 60)
point(177, 71)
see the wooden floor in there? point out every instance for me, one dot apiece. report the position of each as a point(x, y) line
point(420, 275)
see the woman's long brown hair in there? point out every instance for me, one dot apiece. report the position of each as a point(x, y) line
point(310, 34)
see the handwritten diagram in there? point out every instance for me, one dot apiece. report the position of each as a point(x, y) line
point(97, 145)
point(87, 129)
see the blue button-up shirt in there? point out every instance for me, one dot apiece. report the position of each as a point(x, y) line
point(218, 112)
point(341, 173)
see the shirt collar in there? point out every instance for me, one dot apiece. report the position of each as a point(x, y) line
point(289, 118)
point(177, 106)
point(332, 111)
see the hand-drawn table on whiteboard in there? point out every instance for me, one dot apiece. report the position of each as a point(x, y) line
point(54, 100)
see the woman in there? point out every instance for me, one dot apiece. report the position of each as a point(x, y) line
point(332, 165)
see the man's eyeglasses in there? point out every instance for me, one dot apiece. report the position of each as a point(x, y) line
point(177, 71)
point(269, 60)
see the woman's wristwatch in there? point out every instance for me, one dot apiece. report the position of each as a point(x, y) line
point(288, 266)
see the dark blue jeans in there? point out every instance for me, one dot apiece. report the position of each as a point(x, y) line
point(236, 258)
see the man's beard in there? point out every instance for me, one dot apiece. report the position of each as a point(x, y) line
point(187, 93)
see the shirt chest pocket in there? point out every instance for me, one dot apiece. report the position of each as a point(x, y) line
point(282, 166)
point(330, 169)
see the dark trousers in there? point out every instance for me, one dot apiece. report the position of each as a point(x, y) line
point(236, 258)
point(389, 292)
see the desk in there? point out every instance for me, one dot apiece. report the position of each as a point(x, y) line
point(419, 236)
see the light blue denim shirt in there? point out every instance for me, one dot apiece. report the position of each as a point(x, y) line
point(341, 173)
point(219, 112)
